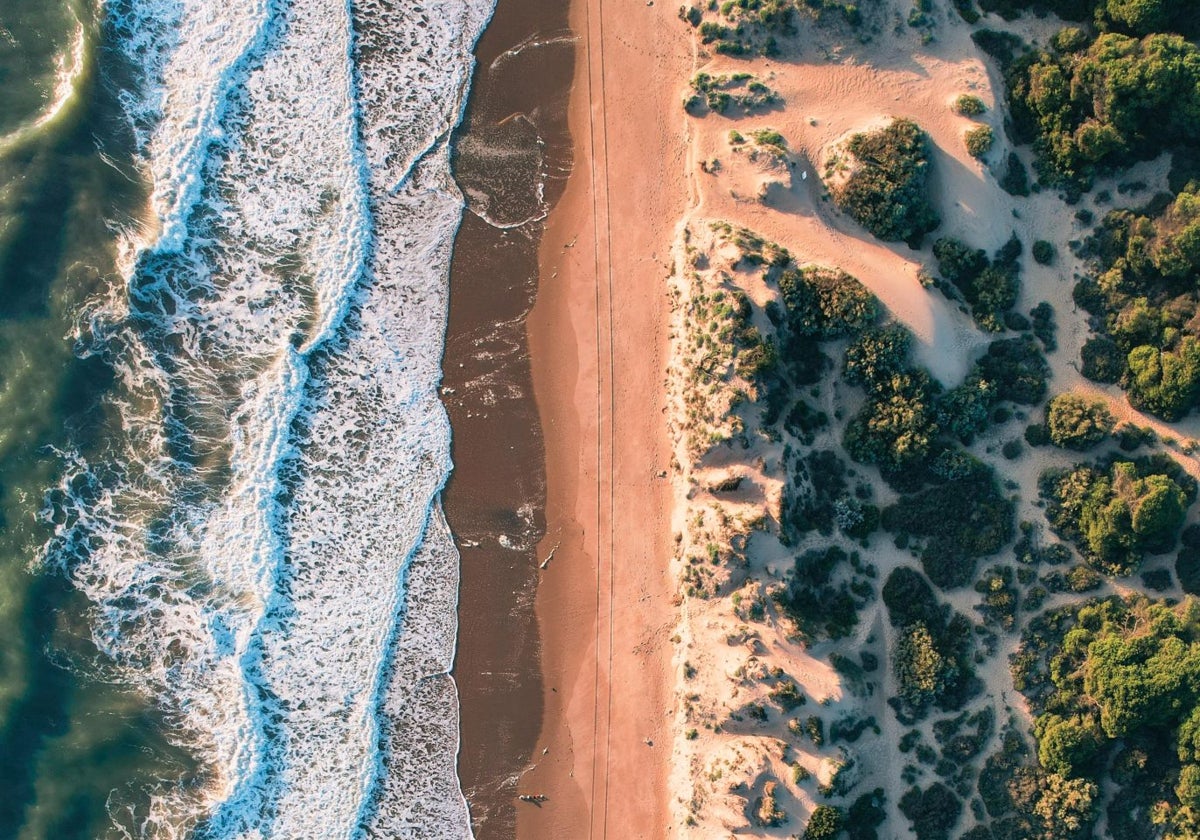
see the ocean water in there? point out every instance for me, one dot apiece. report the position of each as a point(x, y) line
point(225, 235)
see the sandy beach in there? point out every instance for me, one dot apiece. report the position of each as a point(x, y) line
point(598, 339)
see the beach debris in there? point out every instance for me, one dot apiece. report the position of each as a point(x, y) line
point(535, 798)
point(545, 563)
point(545, 750)
point(571, 244)
point(648, 742)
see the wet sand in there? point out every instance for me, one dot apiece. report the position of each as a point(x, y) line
point(496, 495)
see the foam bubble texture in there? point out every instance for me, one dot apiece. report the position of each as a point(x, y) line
point(261, 540)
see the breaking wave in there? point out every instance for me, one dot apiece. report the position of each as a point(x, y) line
point(260, 537)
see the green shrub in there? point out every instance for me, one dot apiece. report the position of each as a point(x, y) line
point(865, 815)
point(933, 812)
point(963, 519)
point(1044, 328)
point(969, 105)
point(1036, 434)
point(1015, 180)
point(1120, 100)
point(771, 138)
point(979, 140)
point(826, 303)
point(1043, 252)
point(886, 191)
point(1017, 370)
point(1075, 422)
point(897, 427)
point(824, 824)
point(1119, 510)
point(1102, 360)
point(816, 603)
point(990, 287)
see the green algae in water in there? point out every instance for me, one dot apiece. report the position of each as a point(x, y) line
point(80, 750)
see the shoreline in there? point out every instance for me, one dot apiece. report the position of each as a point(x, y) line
point(496, 493)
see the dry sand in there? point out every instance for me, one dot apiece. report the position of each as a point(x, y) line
point(598, 346)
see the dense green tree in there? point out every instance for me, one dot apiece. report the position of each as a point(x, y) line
point(826, 303)
point(1119, 512)
point(1016, 369)
point(865, 815)
point(877, 355)
point(1075, 422)
point(1066, 807)
point(921, 671)
point(1165, 382)
point(1102, 360)
point(963, 411)
point(962, 518)
point(824, 824)
point(1114, 685)
point(886, 190)
point(1122, 97)
point(933, 812)
point(991, 288)
point(911, 600)
point(898, 426)
point(1068, 745)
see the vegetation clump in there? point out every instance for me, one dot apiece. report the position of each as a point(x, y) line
point(1041, 318)
point(741, 91)
point(824, 824)
point(1146, 301)
point(825, 303)
point(816, 600)
point(1016, 369)
point(969, 105)
point(1134, 17)
point(1119, 510)
point(1092, 108)
point(979, 140)
point(1075, 422)
point(885, 189)
point(1043, 252)
point(745, 28)
point(1113, 686)
point(963, 517)
point(931, 659)
point(933, 811)
point(990, 287)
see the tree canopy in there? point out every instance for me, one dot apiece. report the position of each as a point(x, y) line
point(886, 190)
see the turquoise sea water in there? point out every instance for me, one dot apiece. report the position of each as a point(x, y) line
point(79, 750)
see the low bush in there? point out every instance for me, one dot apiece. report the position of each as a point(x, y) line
point(979, 140)
point(886, 190)
point(1075, 422)
point(969, 105)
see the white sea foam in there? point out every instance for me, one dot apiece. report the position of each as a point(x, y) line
point(262, 544)
point(70, 71)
